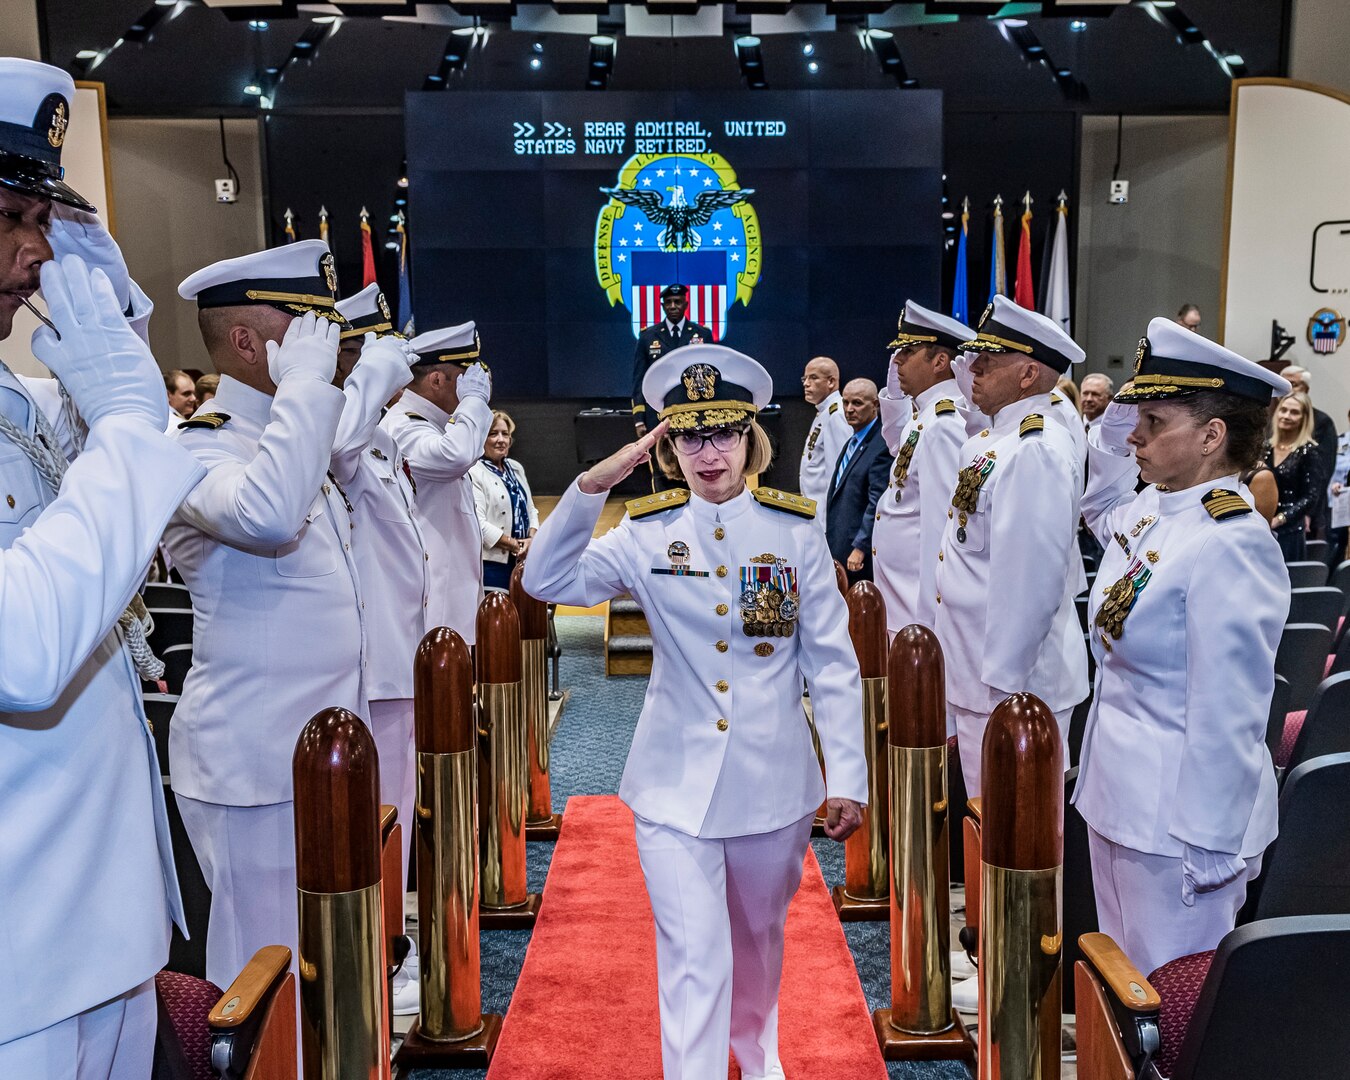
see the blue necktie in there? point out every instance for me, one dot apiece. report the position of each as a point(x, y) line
point(849, 451)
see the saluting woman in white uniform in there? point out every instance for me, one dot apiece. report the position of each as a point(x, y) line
point(1175, 782)
point(722, 778)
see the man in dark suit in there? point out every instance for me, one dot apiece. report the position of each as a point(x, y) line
point(658, 339)
point(860, 477)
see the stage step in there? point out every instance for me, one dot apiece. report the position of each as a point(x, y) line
point(628, 639)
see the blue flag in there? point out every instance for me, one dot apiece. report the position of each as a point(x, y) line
point(960, 288)
point(405, 311)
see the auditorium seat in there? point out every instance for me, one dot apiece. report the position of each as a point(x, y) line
point(173, 626)
point(1301, 658)
point(1326, 728)
point(159, 594)
point(1278, 716)
point(1317, 549)
point(1269, 1002)
point(1306, 575)
point(1340, 577)
point(1321, 605)
point(246, 1032)
point(1307, 870)
point(177, 659)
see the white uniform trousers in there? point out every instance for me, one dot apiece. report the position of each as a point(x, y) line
point(247, 855)
point(968, 727)
point(391, 722)
point(112, 1041)
point(1139, 904)
point(720, 907)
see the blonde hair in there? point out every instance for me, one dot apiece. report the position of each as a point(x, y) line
point(758, 453)
point(497, 414)
point(1305, 429)
point(1068, 389)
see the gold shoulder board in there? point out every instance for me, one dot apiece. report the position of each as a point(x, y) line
point(786, 501)
point(210, 420)
point(654, 504)
point(1032, 422)
point(1223, 504)
point(1055, 399)
point(414, 416)
point(946, 405)
point(834, 408)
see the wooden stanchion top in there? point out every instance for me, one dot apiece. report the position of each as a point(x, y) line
point(841, 577)
point(916, 693)
point(498, 648)
point(533, 613)
point(443, 693)
point(867, 628)
point(1022, 824)
point(336, 771)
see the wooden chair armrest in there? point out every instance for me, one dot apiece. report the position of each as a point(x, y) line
point(250, 988)
point(388, 815)
point(973, 805)
point(1121, 977)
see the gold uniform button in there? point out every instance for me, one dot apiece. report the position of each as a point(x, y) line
point(723, 686)
point(878, 517)
point(984, 434)
point(10, 500)
point(722, 609)
point(939, 598)
point(327, 490)
point(722, 724)
point(718, 533)
point(722, 646)
point(939, 556)
point(949, 514)
point(721, 571)
point(874, 551)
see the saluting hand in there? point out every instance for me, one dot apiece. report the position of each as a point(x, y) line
point(606, 474)
point(843, 817)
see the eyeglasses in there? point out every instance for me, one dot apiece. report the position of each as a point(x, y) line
point(723, 439)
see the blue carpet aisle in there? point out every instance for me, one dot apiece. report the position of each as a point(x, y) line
point(588, 755)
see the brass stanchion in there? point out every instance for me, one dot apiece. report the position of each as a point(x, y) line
point(864, 896)
point(541, 823)
point(451, 1030)
point(1022, 864)
point(344, 1032)
point(503, 770)
point(920, 1025)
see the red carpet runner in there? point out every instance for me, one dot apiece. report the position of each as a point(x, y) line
point(585, 1006)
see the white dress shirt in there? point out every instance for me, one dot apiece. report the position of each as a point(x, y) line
point(85, 858)
point(264, 546)
point(1007, 574)
point(722, 747)
point(441, 449)
point(1174, 750)
point(829, 432)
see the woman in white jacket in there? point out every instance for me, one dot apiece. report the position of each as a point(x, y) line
point(506, 511)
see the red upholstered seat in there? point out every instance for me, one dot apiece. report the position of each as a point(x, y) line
point(1293, 724)
point(1178, 984)
point(188, 1002)
point(1331, 661)
point(951, 742)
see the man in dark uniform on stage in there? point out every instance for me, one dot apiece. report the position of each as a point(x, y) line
point(658, 339)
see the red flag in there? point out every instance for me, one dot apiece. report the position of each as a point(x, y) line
point(1024, 291)
point(367, 251)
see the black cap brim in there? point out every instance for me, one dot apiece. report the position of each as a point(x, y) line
point(44, 187)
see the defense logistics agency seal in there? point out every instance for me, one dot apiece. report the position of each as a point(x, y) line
point(1326, 330)
point(678, 218)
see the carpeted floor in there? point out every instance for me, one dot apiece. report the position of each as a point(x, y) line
point(589, 749)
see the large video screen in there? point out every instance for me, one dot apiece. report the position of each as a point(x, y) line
point(800, 222)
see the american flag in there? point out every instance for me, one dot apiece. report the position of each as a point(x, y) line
point(705, 272)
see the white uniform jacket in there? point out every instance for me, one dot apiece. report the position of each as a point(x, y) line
point(1174, 750)
point(722, 747)
point(441, 449)
point(493, 504)
point(85, 859)
point(1009, 568)
point(912, 512)
point(392, 560)
point(264, 546)
point(829, 431)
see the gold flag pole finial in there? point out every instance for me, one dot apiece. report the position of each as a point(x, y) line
point(365, 214)
point(965, 205)
point(998, 205)
point(1027, 200)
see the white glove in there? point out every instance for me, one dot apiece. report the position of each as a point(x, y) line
point(390, 354)
point(893, 390)
point(77, 232)
point(1205, 871)
point(99, 359)
point(475, 382)
point(965, 378)
point(1117, 423)
point(309, 348)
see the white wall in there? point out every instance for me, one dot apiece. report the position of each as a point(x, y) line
point(1319, 45)
point(1160, 250)
point(19, 29)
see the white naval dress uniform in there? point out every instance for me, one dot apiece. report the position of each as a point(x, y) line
point(925, 435)
point(264, 546)
point(440, 450)
point(1174, 750)
point(1007, 575)
point(85, 858)
point(722, 776)
point(393, 565)
point(829, 432)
